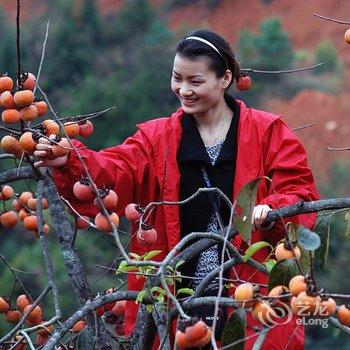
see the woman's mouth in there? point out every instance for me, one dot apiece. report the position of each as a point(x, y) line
point(189, 101)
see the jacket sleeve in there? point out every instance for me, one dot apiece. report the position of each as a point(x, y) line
point(285, 163)
point(123, 168)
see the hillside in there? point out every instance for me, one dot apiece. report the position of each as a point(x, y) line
point(331, 113)
point(230, 17)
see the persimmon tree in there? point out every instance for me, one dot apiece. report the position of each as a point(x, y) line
point(99, 321)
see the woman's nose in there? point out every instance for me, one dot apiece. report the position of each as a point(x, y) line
point(185, 91)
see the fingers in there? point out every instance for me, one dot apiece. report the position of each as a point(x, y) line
point(43, 149)
point(45, 157)
point(43, 146)
point(259, 216)
point(39, 164)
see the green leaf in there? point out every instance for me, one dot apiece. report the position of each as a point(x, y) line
point(270, 263)
point(151, 254)
point(234, 330)
point(160, 299)
point(150, 270)
point(188, 291)
point(169, 281)
point(125, 268)
point(141, 295)
point(170, 270)
point(322, 228)
point(254, 248)
point(246, 201)
point(282, 273)
point(149, 308)
point(135, 256)
point(85, 340)
point(157, 290)
point(308, 239)
point(179, 263)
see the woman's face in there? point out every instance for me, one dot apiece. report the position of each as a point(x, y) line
point(196, 85)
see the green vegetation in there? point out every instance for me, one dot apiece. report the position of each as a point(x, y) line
point(325, 52)
point(91, 63)
point(270, 49)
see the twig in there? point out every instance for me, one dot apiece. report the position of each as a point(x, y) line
point(334, 322)
point(330, 19)
point(7, 156)
point(76, 213)
point(45, 250)
point(87, 116)
point(29, 341)
point(337, 149)
point(221, 271)
point(281, 71)
point(18, 42)
point(42, 55)
point(304, 126)
point(45, 324)
point(14, 275)
point(11, 130)
point(260, 340)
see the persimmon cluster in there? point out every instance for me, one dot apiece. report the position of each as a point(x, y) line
point(24, 207)
point(246, 296)
point(192, 334)
point(19, 102)
point(34, 318)
point(299, 296)
point(83, 190)
point(20, 105)
point(146, 234)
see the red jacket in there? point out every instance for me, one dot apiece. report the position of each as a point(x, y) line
point(146, 164)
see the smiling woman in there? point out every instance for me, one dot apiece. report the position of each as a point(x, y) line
point(212, 140)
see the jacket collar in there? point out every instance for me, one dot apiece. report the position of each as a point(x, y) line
point(192, 148)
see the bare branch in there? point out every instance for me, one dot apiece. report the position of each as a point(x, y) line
point(13, 271)
point(281, 71)
point(42, 55)
point(334, 322)
point(260, 340)
point(17, 174)
point(304, 126)
point(85, 310)
point(337, 149)
point(45, 250)
point(331, 19)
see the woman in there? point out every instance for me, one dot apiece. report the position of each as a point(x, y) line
point(212, 140)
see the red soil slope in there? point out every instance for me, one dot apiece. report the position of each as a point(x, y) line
point(331, 113)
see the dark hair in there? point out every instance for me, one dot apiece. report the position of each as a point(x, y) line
point(219, 63)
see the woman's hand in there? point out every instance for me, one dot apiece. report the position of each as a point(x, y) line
point(259, 216)
point(44, 154)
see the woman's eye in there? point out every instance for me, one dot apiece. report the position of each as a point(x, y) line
point(196, 82)
point(176, 78)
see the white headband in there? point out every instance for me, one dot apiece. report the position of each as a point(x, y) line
point(205, 42)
